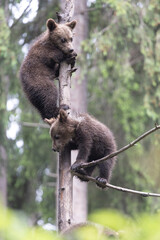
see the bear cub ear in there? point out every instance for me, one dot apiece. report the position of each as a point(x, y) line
point(71, 24)
point(51, 24)
point(49, 121)
point(63, 116)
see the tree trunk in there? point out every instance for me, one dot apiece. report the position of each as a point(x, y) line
point(64, 202)
point(4, 85)
point(79, 104)
point(3, 176)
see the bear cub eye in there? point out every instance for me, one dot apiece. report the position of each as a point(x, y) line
point(63, 40)
point(57, 137)
point(71, 39)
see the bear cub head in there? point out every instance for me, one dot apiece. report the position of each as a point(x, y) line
point(61, 35)
point(62, 130)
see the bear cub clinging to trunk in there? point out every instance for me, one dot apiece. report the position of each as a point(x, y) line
point(92, 138)
point(41, 66)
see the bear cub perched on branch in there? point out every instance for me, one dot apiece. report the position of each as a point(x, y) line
point(92, 138)
point(42, 63)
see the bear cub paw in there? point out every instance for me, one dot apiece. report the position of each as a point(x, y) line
point(102, 181)
point(71, 59)
point(76, 168)
point(64, 107)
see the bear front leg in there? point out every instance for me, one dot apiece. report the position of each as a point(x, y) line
point(56, 69)
point(84, 151)
point(71, 59)
point(76, 168)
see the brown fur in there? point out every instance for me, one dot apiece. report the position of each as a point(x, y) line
point(92, 138)
point(41, 66)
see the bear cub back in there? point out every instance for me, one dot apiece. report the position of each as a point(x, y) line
point(93, 139)
point(41, 66)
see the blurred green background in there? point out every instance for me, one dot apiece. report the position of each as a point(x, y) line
point(121, 60)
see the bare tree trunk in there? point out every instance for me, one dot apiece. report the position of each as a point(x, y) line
point(64, 201)
point(4, 85)
point(3, 176)
point(79, 104)
point(64, 191)
point(65, 187)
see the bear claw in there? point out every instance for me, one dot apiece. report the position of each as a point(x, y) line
point(76, 168)
point(102, 181)
point(64, 107)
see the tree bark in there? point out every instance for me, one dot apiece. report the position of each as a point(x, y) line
point(4, 86)
point(79, 104)
point(3, 176)
point(64, 191)
point(64, 202)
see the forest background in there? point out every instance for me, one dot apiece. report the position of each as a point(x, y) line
point(121, 61)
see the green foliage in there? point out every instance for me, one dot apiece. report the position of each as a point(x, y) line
point(106, 224)
point(7, 55)
point(4, 35)
point(26, 165)
point(14, 228)
point(120, 6)
point(124, 61)
point(121, 60)
point(111, 219)
point(123, 84)
point(143, 227)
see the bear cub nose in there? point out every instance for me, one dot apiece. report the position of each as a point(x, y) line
point(71, 50)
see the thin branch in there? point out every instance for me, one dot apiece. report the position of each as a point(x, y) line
point(85, 165)
point(143, 194)
point(114, 21)
point(52, 175)
point(51, 184)
point(25, 10)
point(135, 60)
point(28, 124)
point(107, 28)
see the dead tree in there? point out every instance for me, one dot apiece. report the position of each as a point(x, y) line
point(79, 104)
point(64, 200)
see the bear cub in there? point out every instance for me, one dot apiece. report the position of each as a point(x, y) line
point(41, 66)
point(93, 139)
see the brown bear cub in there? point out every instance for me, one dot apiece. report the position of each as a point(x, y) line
point(41, 66)
point(92, 138)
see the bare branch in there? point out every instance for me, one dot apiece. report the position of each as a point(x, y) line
point(113, 22)
point(28, 124)
point(143, 194)
point(25, 10)
point(51, 184)
point(85, 165)
point(52, 175)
